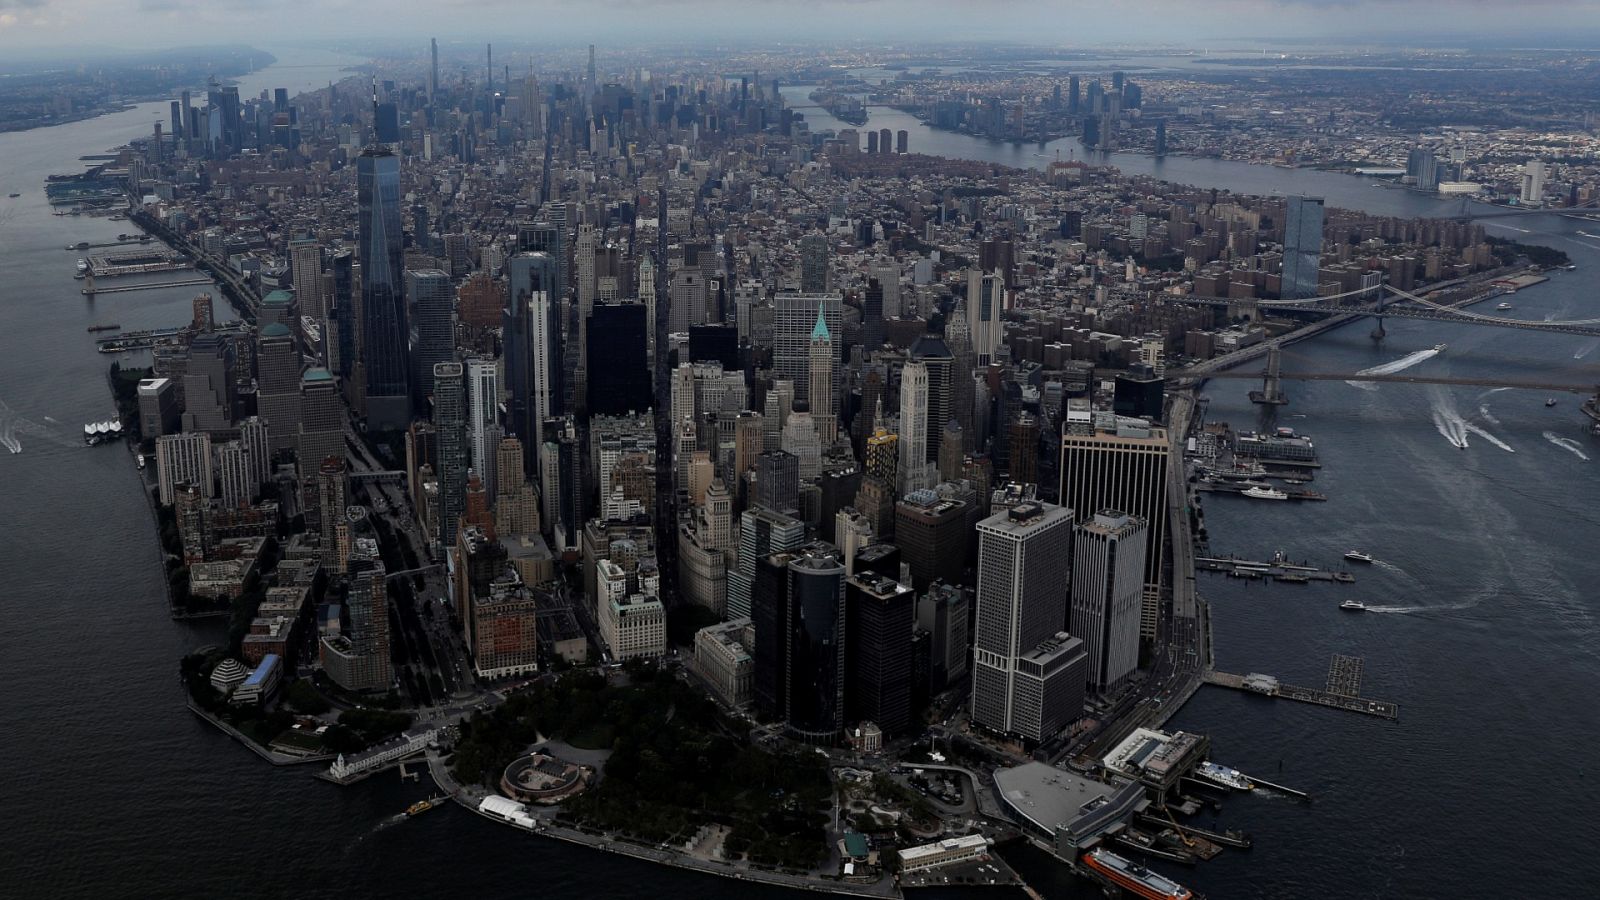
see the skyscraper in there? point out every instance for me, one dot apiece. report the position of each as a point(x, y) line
point(383, 307)
point(879, 614)
point(450, 423)
point(322, 421)
point(814, 254)
point(1107, 587)
point(618, 377)
point(913, 470)
point(1302, 248)
point(824, 409)
point(1109, 462)
point(278, 384)
point(305, 259)
point(330, 494)
point(483, 421)
point(432, 296)
point(872, 316)
point(986, 297)
point(793, 322)
point(1024, 563)
point(532, 351)
point(816, 658)
point(762, 532)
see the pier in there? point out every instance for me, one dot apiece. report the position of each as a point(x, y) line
point(1343, 675)
point(93, 291)
point(1279, 569)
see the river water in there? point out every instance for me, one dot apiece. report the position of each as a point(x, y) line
point(1484, 630)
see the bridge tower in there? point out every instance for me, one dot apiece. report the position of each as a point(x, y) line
point(1378, 333)
point(1271, 392)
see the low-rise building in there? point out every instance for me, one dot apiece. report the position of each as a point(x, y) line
point(723, 661)
point(1070, 810)
point(944, 853)
point(261, 683)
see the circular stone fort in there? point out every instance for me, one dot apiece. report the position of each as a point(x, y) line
point(544, 779)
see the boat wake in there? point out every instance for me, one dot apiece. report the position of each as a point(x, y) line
point(1586, 349)
point(1507, 227)
point(1392, 367)
point(1488, 437)
point(1567, 444)
point(1452, 427)
point(1412, 610)
point(1483, 410)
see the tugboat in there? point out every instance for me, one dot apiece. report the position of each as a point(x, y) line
point(1358, 556)
point(1353, 606)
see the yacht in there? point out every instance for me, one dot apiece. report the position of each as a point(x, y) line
point(1358, 556)
point(1265, 493)
point(1353, 606)
point(1440, 348)
point(1504, 306)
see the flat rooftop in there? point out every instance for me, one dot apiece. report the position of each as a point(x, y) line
point(1050, 797)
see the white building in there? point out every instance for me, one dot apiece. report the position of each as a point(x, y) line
point(1107, 588)
point(183, 457)
point(943, 853)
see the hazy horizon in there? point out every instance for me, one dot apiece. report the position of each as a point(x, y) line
point(44, 28)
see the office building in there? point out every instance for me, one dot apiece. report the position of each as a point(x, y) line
point(483, 422)
point(880, 614)
point(505, 632)
point(814, 259)
point(943, 612)
point(986, 298)
point(305, 264)
point(278, 385)
point(724, 663)
point(432, 299)
point(234, 476)
point(183, 458)
point(357, 658)
point(331, 497)
point(1532, 183)
point(1107, 591)
point(762, 532)
point(619, 381)
point(799, 624)
point(159, 412)
point(1024, 563)
point(912, 470)
point(450, 425)
point(385, 330)
point(632, 625)
point(778, 481)
point(1302, 248)
point(823, 404)
point(210, 386)
point(532, 336)
point(322, 421)
point(1111, 462)
point(931, 533)
point(793, 323)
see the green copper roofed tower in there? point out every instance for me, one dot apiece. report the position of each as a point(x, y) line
point(820, 331)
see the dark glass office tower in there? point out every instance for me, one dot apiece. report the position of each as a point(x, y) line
point(817, 645)
point(619, 376)
point(532, 336)
point(880, 613)
point(383, 305)
point(433, 304)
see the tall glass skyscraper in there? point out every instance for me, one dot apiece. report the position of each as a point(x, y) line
point(385, 353)
point(532, 337)
point(1302, 248)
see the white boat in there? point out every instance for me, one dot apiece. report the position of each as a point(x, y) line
point(1504, 306)
point(1358, 556)
point(1224, 776)
point(1265, 493)
point(1353, 606)
point(1440, 348)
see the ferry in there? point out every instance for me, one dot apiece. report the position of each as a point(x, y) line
point(1224, 776)
point(1265, 493)
point(1358, 556)
point(422, 806)
point(1353, 606)
point(1134, 878)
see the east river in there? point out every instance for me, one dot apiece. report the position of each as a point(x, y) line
point(1483, 628)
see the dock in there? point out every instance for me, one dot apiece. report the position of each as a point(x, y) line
point(122, 289)
point(1278, 569)
point(1344, 680)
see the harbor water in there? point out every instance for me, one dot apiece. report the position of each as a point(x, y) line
point(1479, 507)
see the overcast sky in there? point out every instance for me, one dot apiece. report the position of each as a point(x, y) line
point(34, 24)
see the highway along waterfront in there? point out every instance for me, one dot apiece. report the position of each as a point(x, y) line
point(1477, 505)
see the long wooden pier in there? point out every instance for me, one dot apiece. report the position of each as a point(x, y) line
point(1344, 680)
